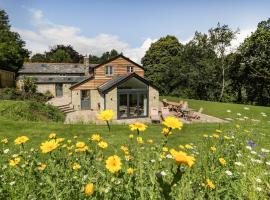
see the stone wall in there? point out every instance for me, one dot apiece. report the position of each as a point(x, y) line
point(7, 78)
point(66, 90)
point(111, 101)
point(43, 88)
point(76, 99)
point(95, 100)
point(153, 98)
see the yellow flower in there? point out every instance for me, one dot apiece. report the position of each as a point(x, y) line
point(237, 126)
point(41, 166)
point(137, 126)
point(172, 122)
point(96, 137)
point(222, 161)
point(124, 148)
point(182, 158)
point(89, 189)
point(48, 146)
point(21, 140)
point(60, 139)
point(227, 137)
point(213, 148)
point(4, 141)
point(205, 135)
point(130, 170)
point(218, 131)
point(150, 141)
point(113, 164)
point(164, 149)
point(188, 146)
point(52, 136)
point(14, 161)
point(181, 147)
point(166, 132)
point(210, 184)
point(81, 147)
point(215, 135)
point(131, 136)
point(139, 140)
point(106, 115)
point(76, 166)
point(128, 157)
point(103, 145)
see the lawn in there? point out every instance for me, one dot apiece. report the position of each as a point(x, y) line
point(200, 161)
point(38, 131)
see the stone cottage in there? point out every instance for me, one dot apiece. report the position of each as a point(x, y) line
point(117, 84)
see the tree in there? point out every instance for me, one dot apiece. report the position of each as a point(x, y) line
point(255, 64)
point(38, 58)
point(12, 51)
point(221, 37)
point(159, 62)
point(62, 53)
point(60, 56)
point(108, 55)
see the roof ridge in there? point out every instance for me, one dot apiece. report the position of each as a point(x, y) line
point(57, 63)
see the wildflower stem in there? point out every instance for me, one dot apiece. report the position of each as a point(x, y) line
point(109, 127)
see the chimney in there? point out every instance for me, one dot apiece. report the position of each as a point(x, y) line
point(86, 60)
point(86, 65)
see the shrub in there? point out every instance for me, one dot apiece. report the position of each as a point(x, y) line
point(30, 111)
point(14, 94)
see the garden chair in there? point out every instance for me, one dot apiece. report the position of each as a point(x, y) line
point(165, 112)
point(154, 115)
point(165, 102)
point(194, 115)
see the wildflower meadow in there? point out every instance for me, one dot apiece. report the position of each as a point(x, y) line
point(227, 164)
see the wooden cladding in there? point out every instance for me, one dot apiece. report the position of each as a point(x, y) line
point(120, 66)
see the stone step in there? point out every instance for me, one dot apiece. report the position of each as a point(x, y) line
point(64, 109)
point(64, 106)
point(68, 111)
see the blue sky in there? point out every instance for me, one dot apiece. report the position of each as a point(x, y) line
point(129, 26)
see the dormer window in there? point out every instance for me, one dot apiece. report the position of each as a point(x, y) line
point(130, 69)
point(108, 70)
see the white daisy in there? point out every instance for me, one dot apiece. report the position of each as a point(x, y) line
point(265, 150)
point(229, 173)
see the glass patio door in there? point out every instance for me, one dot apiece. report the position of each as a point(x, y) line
point(132, 104)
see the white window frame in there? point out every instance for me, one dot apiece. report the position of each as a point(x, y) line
point(108, 69)
point(130, 69)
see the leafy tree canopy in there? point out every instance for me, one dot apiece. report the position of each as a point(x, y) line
point(12, 47)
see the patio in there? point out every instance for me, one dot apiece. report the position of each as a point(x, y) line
point(90, 116)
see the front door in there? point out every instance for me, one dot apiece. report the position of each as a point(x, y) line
point(59, 89)
point(85, 99)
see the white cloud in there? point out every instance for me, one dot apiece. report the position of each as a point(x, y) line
point(240, 37)
point(47, 34)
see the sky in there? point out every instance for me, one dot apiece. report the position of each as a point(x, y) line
point(129, 26)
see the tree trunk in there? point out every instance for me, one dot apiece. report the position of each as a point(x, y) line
point(223, 79)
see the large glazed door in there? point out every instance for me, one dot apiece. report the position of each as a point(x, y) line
point(59, 89)
point(85, 99)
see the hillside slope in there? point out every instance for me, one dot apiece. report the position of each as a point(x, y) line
point(29, 111)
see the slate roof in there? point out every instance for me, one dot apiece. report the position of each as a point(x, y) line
point(53, 68)
point(119, 80)
point(57, 79)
